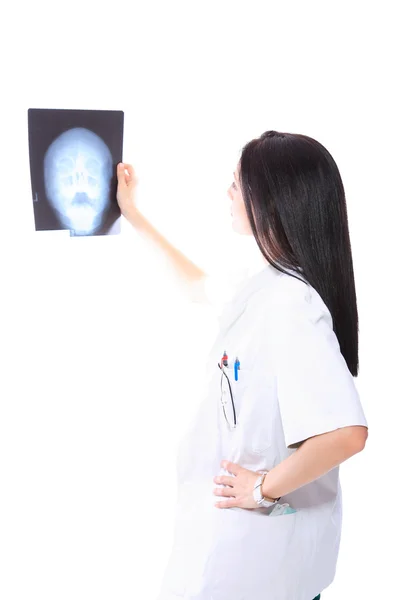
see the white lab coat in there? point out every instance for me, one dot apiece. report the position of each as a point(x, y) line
point(293, 384)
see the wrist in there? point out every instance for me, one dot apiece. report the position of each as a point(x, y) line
point(267, 496)
point(134, 216)
point(260, 495)
point(265, 491)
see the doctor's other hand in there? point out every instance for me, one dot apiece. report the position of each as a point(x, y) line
point(126, 190)
point(237, 490)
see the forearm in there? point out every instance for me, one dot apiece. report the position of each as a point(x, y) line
point(315, 457)
point(186, 271)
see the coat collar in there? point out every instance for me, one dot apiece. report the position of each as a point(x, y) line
point(262, 276)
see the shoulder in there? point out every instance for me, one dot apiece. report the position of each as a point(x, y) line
point(290, 303)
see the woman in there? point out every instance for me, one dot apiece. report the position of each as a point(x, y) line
point(290, 409)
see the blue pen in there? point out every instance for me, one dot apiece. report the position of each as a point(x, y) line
point(237, 367)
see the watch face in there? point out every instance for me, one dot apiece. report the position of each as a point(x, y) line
point(257, 495)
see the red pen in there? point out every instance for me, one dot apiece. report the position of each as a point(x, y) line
point(224, 359)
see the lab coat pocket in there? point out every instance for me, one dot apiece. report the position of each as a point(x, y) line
point(262, 413)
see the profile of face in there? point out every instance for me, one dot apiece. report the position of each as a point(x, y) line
point(240, 221)
point(77, 177)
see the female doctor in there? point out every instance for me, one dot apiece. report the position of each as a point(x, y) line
point(259, 500)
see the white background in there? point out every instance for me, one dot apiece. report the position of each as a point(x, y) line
point(101, 357)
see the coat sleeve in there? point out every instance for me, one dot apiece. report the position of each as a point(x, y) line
point(316, 391)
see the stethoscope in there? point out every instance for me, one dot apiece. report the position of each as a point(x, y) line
point(223, 400)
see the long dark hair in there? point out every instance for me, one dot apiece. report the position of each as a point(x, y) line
point(296, 205)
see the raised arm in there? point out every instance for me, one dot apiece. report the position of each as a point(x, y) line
point(186, 272)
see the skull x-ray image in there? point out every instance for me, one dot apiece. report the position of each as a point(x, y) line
point(73, 157)
point(77, 178)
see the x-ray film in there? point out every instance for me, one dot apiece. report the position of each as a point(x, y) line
point(73, 158)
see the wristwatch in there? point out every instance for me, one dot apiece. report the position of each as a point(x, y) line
point(257, 493)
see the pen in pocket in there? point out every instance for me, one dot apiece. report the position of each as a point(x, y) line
point(237, 367)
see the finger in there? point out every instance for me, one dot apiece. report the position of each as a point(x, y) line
point(225, 480)
point(121, 175)
point(227, 503)
point(130, 173)
point(231, 467)
point(224, 492)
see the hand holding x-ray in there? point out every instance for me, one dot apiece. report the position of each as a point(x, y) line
point(126, 191)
